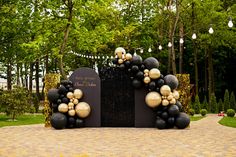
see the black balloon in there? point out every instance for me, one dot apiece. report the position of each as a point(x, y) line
point(65, 82)
point(122, 66)
point(160, 124)
point(79, 123)
point(159, 113)
point(142, 67)
point(71, 89)
point(62, 96)
point(158, 89)
point(160, 82)
point(137, 60)
point(137, 83)
point(55, 107)
point(68, 86)
point(127, 64)
point(171, 81)
point(115, 60)
point(65, 100)
point(164, 115)
point(58, 101)
point(170, 122)
point(173, 110)
point(182, 120)
point(62, 89)
point(152, 85)
point(151, 62)
point(71, 122)
point(140, 75)
point(58, 120)
point(178, 103)
point(135, 68)
point(53, 95)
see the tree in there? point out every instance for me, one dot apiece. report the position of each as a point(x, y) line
point(226, 100)
point(204, 104)
point(221, 105)
point(197, 105)
point(213, 104)
point(232, 101)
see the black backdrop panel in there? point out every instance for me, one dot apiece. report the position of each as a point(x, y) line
point(117, 98)
point(88, 81)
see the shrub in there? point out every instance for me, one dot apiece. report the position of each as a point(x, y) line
point(197, 105)
point(191, 112)
point(205, 103)
point(203, 112)
point(221, 105)
point(232, 101)
point(230, 113)
point(213, 104)
point(226, 100)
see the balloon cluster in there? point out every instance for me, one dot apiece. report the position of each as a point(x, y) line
point(68, 111)
point(163, 95)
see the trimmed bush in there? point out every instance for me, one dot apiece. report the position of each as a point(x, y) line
point(197, 105)
point(226, 100)
point(213, 104)
point(230, 113)
point(191, 112)
point(205, 105)
point(221, 105)
point(203, 112)
point(232, 101)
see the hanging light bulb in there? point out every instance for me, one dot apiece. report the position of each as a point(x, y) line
point(181, 40)
point(230, 23)
point(149, 50)
point(160, 47)
point(141, 50)
point(194, 36)
point(169, 44)
point(135, 54)
point(211, 31)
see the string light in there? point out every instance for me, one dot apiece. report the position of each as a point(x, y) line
point(211, 31)
point(194, 36)
point(149, 50)
point(230, 23)
point(141, 50)
point(160, 47)
point(169, 44)
point(181, 40)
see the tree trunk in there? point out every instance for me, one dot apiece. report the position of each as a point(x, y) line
point(22, 76)
point(37, 78)
point(9, 76)
point(195, 66)
point(17, 74)
point(66, 34)
point(181, 48)
point(170, 38)
point(206, 73)
point(31, 77)
point(26, 76)
point(210, 71)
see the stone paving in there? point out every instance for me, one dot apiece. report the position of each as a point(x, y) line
point(204, 138)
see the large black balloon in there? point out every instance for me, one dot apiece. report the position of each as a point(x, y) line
point(173, 110)
point(160, 83)
point(165, 115)
point(137, 60)
point(65, 100)
point(160, 123)
point(151, 62)
point(137, 83)
point(71, 122)
point(58, 120)
point(152, 85)
point(178, 103)
point(135, 69)
point(140, 75)
point(79, 123)
point(182, 120)
point(53, 95)
point(171, 81)
point(62, 90)
point(170, 122)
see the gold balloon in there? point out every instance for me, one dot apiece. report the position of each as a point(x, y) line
point(153, 99)
point(154, 73)
point(71, 112)
point(128, 57)
point(146, 74)
point(75, 101)
point(120, 61)
point(71, 104)
point(173, 101)
point(146, 71)
point(78, 93)
point(146, 80)
point(170, 97)
point(63, 108)
point(70, 95)
point(120, 51)
point(165, 90)
point(82, 109)
point(176, 94)
point(165, 102)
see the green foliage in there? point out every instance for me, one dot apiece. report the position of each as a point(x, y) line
point(232, 101)
point(228, 121)
point(191, 112)
point(221, 105)
point(230, 112)
point(197, 105)
point(15, 102)
point(204, 104)
point(213, 105)
point(226, 100)
point(195, 118)
point(203, 112)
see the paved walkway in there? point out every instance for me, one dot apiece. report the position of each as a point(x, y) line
point(204, 138)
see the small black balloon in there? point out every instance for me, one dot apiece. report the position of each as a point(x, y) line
point(151, 63)
point(65, 82)
point(68, 86)
point(173, 110)
point(182, 121)
point(62, 89)
point(160, 83)
point(58, 120)
point(79, 123)
point(140, 75)
point(178, 103)
point(158, 89)
point(122, 66)
point(62, 96)
point(127, 64)
point(55, 107)
point(170, 122)
point(115, 60)
point(136, 83)
point(164, 115)
point(142, 67)
point(65, 100)
point(71, 122)
point(160, 124)
point(53, 95)
point(58, 101)
point(137, 60)
point(135, 68)
point(159, 113)
point(152, 85)
point(71, 89)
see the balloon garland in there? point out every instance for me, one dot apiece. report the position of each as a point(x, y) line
point(68, 111)
point(163, 95)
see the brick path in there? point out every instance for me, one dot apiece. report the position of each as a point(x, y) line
point(204, 138)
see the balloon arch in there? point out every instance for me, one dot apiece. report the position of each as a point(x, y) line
point(69, 112)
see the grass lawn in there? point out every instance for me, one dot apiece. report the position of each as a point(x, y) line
point(228, 121)
point(21, 120)
point(195, 118)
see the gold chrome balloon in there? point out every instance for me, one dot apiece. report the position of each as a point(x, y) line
point(165, 102)
point(78, 94)
point(70, 95)
point(154, 73)
point(82, 109)
point(146, 80)
point(120, 61)
point(153, 99)
point(71, 104)
point(71, 112)
point(170, 97)
point(165, 90)
point(173, 101)
point(63, 108)
point(128, 56)
point(176, 94)
point(120, 51)
point(75, 101)
point(146, 71)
